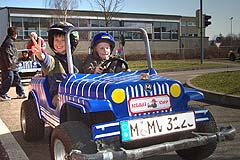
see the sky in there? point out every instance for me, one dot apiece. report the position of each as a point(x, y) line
point(220, 10)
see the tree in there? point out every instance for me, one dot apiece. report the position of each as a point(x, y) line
point(63, 6)
point(109, 8)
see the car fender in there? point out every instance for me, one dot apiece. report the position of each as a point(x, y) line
point(193, 94)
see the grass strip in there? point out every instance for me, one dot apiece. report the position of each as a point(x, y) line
point(225, 82)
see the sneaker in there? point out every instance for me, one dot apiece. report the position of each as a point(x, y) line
point(21, 96)
point(5, 98)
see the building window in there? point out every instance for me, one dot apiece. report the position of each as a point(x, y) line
point(98, 23)
point(192, 24)
point(102, 23)
point(17, 22)
point(137, 35)
point(165, 30)
point(45, 23)
point(26, 25)
point(30, 24)
point(184, 23)
point(83, 23)
point(115, 34)
point(174, 31)
point(157, 30)
point(73, 21)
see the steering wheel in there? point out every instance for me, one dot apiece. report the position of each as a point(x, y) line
point(114, 65)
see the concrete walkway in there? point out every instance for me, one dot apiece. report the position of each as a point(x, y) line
point(10, 144)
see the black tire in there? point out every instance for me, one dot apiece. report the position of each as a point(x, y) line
point(31, 125)
point(232, 57)
point(201, 152)
point(71, 135)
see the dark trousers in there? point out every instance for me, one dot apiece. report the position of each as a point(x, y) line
point(10, 78)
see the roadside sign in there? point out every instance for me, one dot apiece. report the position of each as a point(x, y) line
point(218, 41)
point(218, 44)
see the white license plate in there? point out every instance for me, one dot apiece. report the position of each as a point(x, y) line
point(156, 126)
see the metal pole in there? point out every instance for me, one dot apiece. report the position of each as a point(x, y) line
point(231, 18)
point(201, 33)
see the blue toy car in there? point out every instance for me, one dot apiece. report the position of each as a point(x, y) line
point(26, 65)
point(124, 115)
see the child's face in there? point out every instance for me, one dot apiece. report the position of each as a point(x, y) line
point(25, 54)
point(59, 44)
point(34, 35)
point(103, 49)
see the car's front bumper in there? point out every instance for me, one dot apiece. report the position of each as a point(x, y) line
point(226, 133)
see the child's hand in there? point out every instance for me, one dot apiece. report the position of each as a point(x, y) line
point(99, 69)
point(37, 50)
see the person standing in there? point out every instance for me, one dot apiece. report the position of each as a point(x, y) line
point(40, 41)
point(9, 67)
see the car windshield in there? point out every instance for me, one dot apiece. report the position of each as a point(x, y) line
point(129, 46)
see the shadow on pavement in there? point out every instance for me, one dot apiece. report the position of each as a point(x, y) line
point(35, 150)
point(3, 153)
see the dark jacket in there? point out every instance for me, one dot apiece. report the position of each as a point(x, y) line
point(9, 56)
point(91, 62)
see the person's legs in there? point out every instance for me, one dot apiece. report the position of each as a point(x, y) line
point(7, 79)
point(19, 87)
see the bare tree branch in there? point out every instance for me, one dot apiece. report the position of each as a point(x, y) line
point(109, 8)
point(64, 6)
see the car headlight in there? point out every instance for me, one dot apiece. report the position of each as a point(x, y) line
point(175, 90)
point(118, 95)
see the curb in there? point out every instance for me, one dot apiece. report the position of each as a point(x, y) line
point(10, 144)
point(217, 97)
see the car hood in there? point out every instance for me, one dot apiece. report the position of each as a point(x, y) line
point(141, 91)
point(100, 86)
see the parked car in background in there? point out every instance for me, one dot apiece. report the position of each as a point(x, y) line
point(234, 54)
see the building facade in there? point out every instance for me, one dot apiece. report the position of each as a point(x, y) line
point(167, 33)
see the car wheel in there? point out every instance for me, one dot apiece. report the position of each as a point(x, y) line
point(71, 135)
point(232, 57)
point(201, 152)
point(31, 125)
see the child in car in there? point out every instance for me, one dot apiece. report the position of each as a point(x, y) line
point(102, 46)
point(55, 66)
point(25, 56)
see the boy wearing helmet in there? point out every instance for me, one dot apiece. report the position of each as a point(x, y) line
point(55, 66)
point(102, 46)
